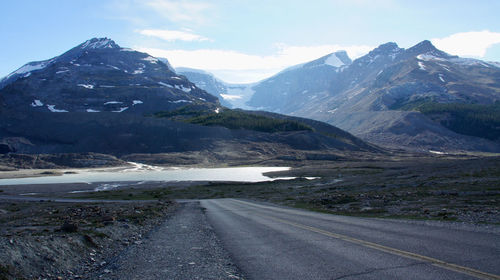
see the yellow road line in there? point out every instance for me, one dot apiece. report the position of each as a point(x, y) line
point(449, 266)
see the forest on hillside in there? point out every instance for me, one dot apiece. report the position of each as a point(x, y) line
point(469, 119)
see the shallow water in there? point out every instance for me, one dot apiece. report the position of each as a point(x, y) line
point(141, 172)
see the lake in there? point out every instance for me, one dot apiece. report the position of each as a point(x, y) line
point(142, 172)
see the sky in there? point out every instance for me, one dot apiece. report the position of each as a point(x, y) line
point(244, 41)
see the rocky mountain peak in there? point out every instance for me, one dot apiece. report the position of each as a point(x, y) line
point(336, 59)
point(427, 48)
point(99, 43)
point(100, 76)
point(384, 53)
point(425, 45)
point(342, 56)
point(386, 49)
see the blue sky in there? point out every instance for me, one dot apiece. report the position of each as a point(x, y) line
point(245, 41)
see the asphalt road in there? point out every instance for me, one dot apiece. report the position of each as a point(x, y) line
point(271, 242)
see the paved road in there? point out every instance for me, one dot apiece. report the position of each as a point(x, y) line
point(271, 242)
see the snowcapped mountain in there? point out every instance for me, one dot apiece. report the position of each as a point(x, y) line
point(230, 95)
point(99, 76)
point(386, 95)
point(381, 96)
point(246, 96)
point(99, 97)
point(288, 90)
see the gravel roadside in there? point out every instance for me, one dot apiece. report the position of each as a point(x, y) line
point(183, 247)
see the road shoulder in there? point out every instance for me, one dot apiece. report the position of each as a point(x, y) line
point(183, 247)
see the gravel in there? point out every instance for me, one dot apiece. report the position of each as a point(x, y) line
point(183, 247)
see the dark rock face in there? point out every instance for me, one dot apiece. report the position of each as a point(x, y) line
point(6, 148)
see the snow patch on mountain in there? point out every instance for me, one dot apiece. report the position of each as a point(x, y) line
point(230, 97)
point(37, 103)
point(334, 61)
point(138, 71)
point(87, 86)
point(184, 89)
point(151, 59)
point(114, 67)
point(121, 110)
point(421, 66)
point(165, 84)
point(429, 57)
point(53, 109)
point(181, 101)
point(27, 68)
point(99, 43)
point(469, 62)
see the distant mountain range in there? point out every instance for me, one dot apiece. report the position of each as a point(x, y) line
point(230, 95)
point(99, 97)
point(419, 98)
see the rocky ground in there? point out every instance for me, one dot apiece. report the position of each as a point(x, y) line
point(183, 247)
point(49, 240)
point(463, 189)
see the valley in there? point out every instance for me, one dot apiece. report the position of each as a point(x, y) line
point(459, 193)
point(400, 138)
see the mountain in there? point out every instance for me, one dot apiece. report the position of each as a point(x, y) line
point(292, 83)
point(99, 76)
point(99, 97)
point(288, 90)
point(401, 98)
point(230, 95)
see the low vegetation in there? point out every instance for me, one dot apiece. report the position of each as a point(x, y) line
point(469, 119)
point(234, 119)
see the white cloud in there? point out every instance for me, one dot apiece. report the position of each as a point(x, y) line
point(181, 10)
point(173, 35)
point(241, 67)
point(468, 43)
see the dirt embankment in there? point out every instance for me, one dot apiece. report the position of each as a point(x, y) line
point(11, 161)
point(49, 240)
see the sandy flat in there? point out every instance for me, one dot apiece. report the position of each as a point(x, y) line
point(26, 173)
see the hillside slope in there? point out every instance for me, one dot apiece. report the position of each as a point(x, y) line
point(99, 97)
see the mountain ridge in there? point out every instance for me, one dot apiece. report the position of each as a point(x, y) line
point(389, 83)
point(99, 97)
